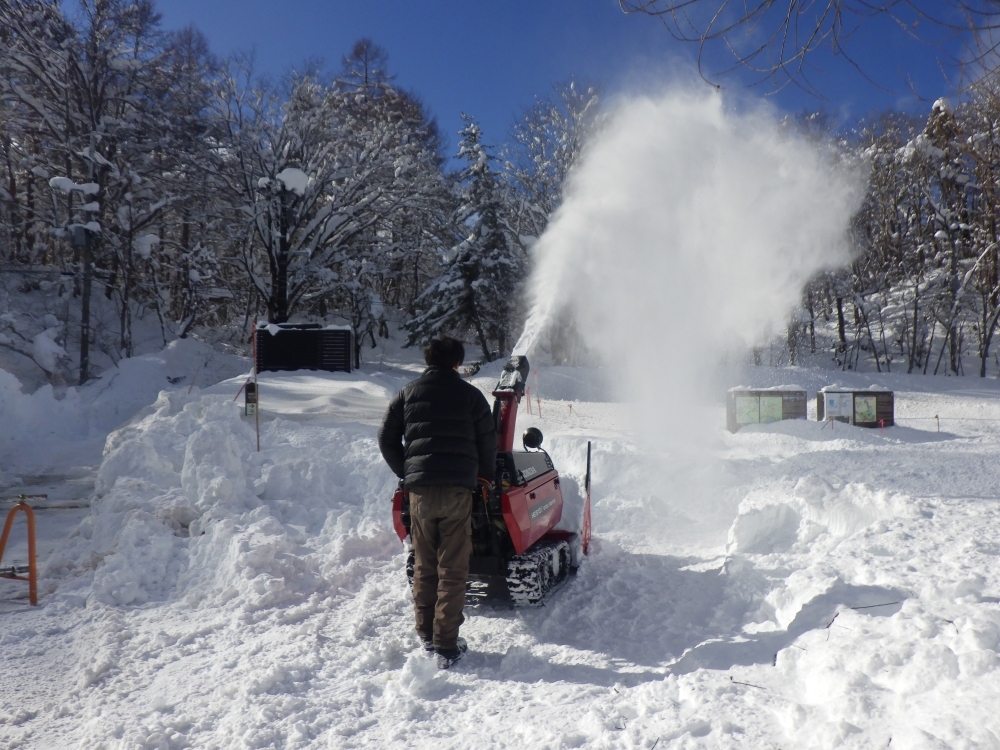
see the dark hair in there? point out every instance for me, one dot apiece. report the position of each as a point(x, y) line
point(444, 352)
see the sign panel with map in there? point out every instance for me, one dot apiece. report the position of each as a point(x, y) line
point(770, 409)
point(747, 410)
point(763, 405)
point(865, 409)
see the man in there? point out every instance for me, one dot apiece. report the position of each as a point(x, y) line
point(438, 436)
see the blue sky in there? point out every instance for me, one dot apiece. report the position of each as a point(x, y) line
point(492, 58)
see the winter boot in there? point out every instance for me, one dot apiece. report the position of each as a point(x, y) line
point(427, 644)
point(447, 657)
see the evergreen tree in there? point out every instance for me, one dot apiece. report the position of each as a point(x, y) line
point(477, 291)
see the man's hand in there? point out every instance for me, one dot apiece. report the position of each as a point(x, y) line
point(485, 488)
point(401, 490)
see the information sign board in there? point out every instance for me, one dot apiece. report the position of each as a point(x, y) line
point(865, 409)
point(747, 410)
point(770, 409)
point(839, 406)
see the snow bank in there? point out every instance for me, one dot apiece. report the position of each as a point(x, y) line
point(187, 510)
point(38, 415)
point(917, 664)
point(772, 521)
point(115, 396)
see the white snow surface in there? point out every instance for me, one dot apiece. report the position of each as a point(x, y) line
point(293, 179)
point(66, 185)
point(144, 244)
point(46, 351)
point(827, 586)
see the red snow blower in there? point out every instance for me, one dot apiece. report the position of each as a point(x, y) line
point(516, 550)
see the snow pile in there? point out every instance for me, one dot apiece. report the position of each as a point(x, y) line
point(771, 521)
point(38, 415)
point(418, 679)
point(914, 666)
point(106, 402)
point(187, 509)
point(293, 179)
point(46, 351)
point(888, 635)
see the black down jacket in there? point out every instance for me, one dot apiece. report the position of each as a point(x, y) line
point(450, 438)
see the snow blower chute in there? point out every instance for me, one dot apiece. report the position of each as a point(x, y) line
point(515, 546)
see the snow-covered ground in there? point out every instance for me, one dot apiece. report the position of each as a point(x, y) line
point(797, 586)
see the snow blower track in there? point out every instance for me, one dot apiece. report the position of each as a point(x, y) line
point(535, 575)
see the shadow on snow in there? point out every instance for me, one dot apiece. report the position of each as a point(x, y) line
point(650, 615)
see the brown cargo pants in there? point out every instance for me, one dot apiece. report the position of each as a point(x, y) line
point(441, 534)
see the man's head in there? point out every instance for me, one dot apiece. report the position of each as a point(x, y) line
point(444, 352)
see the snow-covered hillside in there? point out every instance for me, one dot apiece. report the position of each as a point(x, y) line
point(798, 586)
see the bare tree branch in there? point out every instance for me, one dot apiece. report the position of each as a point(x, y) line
point(774, 38)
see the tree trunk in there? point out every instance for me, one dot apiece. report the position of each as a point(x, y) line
point(281, 282)
point(812, 323)
point(913, 343)
point(840, 325)
point(85, 314)
point(479, 328)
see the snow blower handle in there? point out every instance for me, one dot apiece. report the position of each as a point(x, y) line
point(401, 511)
point(484, 488)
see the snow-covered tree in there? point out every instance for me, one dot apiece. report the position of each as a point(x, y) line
point(983, 147)
point(923, 287)
point(388, 263)
point(477, 292)
point(320, 181)
point(545, 144)
point(80, 90)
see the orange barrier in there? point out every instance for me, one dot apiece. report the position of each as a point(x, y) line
point(32, 578)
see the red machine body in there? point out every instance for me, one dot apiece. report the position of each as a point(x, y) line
point(532, 504)
point(529, 512)
point(399, 498)
point(526, 495)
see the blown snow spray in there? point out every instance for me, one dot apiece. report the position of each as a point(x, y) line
point(688, 229)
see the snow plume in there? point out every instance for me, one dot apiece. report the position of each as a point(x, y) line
point(688, 229)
